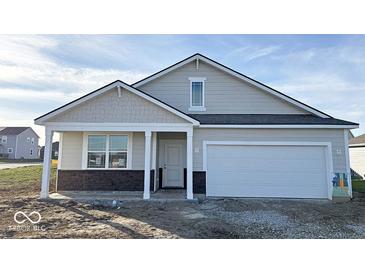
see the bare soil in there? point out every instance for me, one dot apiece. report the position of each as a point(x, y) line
point(223, 218)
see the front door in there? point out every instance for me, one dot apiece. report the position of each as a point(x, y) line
point(173, 163)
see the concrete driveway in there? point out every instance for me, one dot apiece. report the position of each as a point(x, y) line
point(15, 165)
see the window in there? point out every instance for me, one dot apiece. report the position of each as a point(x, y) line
point(197, 94)
point(118, 151)
point(107, 151)
point(31, 152)
point(10, 150)
point(32, 141)
point(4, 139)
point(96, 151)
point(28, 139)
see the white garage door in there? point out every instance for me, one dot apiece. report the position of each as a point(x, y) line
point(266, 171)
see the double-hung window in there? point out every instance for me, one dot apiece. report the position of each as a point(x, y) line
point(107, 151)
point(4, 139)
point(197, 94)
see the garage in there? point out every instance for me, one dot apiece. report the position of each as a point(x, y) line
point(285, 170)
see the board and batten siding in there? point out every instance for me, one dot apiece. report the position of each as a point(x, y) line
point(357, 160)
point(110, 108)
point(223, 93)
point(72, 150)
point(335, 136)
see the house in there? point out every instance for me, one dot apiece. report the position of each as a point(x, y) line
point(55, 146)
point(200, 126)
point(357, 155)
point(18, 143)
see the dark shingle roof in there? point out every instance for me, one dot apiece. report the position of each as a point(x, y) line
point(12, 130)
point(267, 119)
point(357, 140)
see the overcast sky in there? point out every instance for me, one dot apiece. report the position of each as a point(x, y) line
point(40, 73)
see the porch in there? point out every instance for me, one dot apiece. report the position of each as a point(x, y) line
point(117, 197)
point(162, 159)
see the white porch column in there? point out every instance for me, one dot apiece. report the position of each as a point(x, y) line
point(189, 164)
point(147, 165)
point(46, 164)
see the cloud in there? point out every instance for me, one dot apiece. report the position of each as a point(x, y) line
point(249, 53)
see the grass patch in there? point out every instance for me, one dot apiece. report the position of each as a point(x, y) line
point(14, 161)
point(358, 185)
point(24, 180)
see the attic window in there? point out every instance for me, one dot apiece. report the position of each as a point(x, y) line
point(197, 94)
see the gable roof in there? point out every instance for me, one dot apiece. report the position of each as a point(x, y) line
point(237, 74)
point(359, 140)
point(13, 130)
point(117, 83)
point(268, 119)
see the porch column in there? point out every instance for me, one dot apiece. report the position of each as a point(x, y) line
point(147, 164)
point(189, 164)
point(46, 164)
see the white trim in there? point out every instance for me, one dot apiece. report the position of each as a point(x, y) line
point(154, 158)
point(147, 165)
point(189, 165)
point(11, 150)
point(246, 79)
point(278, 126)
point(328, 146)
point(59, 158)
point(109, 127)
point(201, 80)
point(107, 134)
point(46, 171)
point(347, 159)
point(42, 120)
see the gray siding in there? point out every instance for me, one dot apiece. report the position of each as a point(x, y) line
point(108, 107)
point(24, 148)
point(335, 136)
point(11, 143)
point(21, 148)
point(223, 92)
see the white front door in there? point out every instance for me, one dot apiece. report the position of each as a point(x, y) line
point(172, 161)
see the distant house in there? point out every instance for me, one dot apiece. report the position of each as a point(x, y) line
point(357, 155)
point(18, 143)
point(55, 146)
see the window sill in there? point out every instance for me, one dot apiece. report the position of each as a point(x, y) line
point(197, 109)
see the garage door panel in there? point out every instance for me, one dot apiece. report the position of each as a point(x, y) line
point(266, 171)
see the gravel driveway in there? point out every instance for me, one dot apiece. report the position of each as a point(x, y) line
point(225, 218)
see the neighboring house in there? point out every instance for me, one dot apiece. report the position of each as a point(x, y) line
point(18, 143)
point(55, 146)
point(357, 155)
point(200, 126)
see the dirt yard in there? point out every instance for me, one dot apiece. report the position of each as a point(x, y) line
point(225, 218)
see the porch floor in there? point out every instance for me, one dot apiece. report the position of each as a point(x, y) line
point(160, 195)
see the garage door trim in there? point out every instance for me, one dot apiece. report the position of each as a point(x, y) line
point(327, 145)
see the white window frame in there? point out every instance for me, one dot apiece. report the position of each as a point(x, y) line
point(107, 134)
point(28, 139)
point(10, 150)
point(202, 80)
point(4, 139)
point(32, 140)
